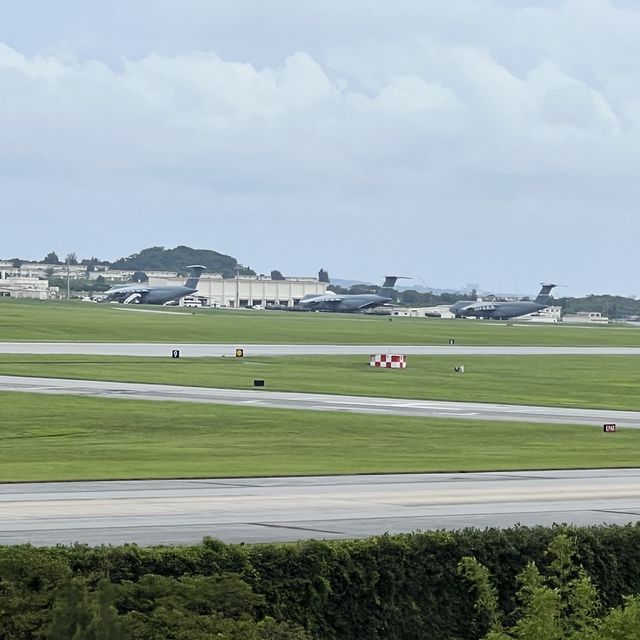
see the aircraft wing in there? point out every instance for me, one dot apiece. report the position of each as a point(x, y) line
point(479, 306)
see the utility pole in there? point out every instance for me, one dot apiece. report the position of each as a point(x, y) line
point(237, 286)
point(68, 291)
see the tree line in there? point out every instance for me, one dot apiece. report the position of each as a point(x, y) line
point(562, 583)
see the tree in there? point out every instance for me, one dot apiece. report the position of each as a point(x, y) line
point(71, 613)
point(337, 289)
point(276, 275)
point(51, 258)
point(560, 606)
point(139, 276)
point(16, 263)
point(71, 258)
point(159, 258)
point(79, 614)
point(359, 289)
point(410, 296)
point(323, 276)
point(106, 623)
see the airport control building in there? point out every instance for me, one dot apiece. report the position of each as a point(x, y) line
point(247, 291)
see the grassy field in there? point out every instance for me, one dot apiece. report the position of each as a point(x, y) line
point(86, 322)
point(62, 438)
point(609, 382)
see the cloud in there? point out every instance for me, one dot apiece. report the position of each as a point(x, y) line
point(478, 122)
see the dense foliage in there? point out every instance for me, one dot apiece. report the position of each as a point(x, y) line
point(81, 285)
point(161, 259)
point(561, 603)
point(387, 587)
point(615, 307)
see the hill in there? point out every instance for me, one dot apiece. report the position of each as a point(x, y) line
point(161, 259)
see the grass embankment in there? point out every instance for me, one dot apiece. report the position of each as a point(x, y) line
point(62, 438)
point(608, 382)
point(86, 322)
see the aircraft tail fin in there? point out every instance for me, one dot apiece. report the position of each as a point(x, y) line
point(194, 275)
point(388, 286)
point(544, 296)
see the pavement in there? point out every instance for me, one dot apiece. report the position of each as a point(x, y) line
point(191, 350)
point(321, 402)
point(324, 507)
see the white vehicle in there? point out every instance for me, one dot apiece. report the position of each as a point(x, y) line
point(191, 301)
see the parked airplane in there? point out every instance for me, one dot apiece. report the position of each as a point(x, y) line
point(144, 294)
point(502, 310)
point(349, 303)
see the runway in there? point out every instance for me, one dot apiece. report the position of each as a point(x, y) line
point(321, 402)
point(331, 507)
point(191, 350)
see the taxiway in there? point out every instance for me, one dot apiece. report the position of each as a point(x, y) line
point(320, 402)
point(193, 350)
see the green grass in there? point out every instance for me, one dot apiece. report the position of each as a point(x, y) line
point(609, 382)
point(64, 438)
point(81, 321)
point(61, 438)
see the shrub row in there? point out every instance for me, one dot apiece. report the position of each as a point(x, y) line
point(387, 587)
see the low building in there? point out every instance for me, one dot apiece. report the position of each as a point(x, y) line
point(586, 317)
point(25, 287)
point(247, 291)
point(110, 275)
point(548, 315)
point(440, 311)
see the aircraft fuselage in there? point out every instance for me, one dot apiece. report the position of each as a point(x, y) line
point(345, 304)
point(495, 310)
point(156, 295)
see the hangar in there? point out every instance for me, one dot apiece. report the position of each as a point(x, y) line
point(248, 291)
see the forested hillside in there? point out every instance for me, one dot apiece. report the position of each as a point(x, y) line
point(159, 259)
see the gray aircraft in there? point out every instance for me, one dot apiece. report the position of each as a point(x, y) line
point(349, 303)
point(144, 294)
point(497, 310)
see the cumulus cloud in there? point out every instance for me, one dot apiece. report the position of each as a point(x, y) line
point(494, 128)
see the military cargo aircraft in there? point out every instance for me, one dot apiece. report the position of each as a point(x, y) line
point(502, 310)
point(144, 294)
point(349, 303)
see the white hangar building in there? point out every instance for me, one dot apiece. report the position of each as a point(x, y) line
point(248, 291)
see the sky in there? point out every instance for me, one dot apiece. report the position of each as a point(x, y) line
point(477, 141)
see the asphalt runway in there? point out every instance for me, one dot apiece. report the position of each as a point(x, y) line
point(320, 402)
point(190, 350)
point(329, 507)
